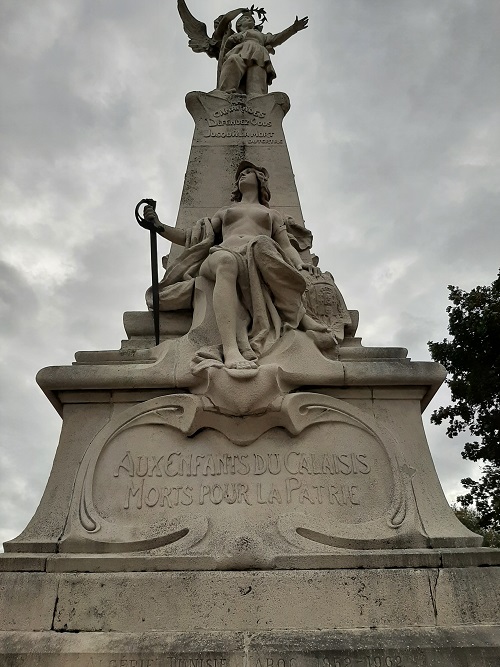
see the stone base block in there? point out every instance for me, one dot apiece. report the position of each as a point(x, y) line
point(406, 647)
point(393, 617)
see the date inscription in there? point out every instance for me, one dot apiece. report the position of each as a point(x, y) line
point(375, 660)
point(366, 660)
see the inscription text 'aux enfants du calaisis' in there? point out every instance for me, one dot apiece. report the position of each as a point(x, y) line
point(273, 478)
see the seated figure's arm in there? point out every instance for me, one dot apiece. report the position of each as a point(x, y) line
point(203, 230)
point(172, 234)
point(280, 235)
point(216, 221)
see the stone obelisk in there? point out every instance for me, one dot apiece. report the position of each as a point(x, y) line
point(256, 490)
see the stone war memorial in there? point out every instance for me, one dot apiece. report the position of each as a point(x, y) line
point(243, 483)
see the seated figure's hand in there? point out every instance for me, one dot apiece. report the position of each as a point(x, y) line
point(313, 270)
point(151, 219)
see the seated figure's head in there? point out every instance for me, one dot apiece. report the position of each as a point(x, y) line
point(262, 182)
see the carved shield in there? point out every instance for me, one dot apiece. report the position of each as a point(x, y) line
point(325, 303)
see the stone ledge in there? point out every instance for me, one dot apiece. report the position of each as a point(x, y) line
point(13, 562)
point(132, 376)
point(139, 324)
point(369, 560)
point(402, 647)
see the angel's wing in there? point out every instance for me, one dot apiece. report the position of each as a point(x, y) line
point(199, 40)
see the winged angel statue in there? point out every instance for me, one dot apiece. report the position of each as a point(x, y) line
point(244, 63)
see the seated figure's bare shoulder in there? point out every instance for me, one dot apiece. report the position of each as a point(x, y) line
point(277, 220)
point(218, 218)
point(222, 211)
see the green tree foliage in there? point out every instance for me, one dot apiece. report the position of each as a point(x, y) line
point(472, 520)
point(472, 359)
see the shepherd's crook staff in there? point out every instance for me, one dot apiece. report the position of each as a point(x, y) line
point(154, 264)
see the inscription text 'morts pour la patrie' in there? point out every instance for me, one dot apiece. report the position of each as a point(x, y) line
point(305, 478)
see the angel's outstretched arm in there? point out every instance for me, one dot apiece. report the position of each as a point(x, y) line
point(298, 24)
point(225, 21)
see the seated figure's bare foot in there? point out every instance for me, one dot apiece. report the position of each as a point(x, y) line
point(307, 323)
point(242, 365)
point(248, 354)
point(234, 359)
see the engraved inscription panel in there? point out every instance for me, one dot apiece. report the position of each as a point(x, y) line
point(239, 122)
point(332, 470)
point(179, 660)
point(375, 659)
point(362, 659)
point(343, 658)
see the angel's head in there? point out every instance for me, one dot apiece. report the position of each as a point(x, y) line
point(245, 22)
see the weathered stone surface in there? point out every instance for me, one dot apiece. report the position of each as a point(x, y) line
point(161, 372)
point(252, 601)
point(313, 475)
point(428, 647)
point(244, 601)
point(466, 596)
point(80, 425)
point(265, 619)
point(227, 131)
point(340, 559)
point(22, 563)
point(27, 600)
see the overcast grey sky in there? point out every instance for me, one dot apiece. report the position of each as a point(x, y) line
point(394, 136)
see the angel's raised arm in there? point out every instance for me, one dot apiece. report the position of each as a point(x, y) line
point(298, 24)
point(225, 21)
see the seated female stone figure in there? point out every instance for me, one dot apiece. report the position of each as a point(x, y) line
point(256, 272)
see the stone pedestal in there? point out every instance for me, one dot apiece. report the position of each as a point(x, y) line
point(301, 475)
point(311, 532)
point(282, 515)
point(417, 609)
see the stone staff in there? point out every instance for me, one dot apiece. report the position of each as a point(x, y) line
point(154, 263)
